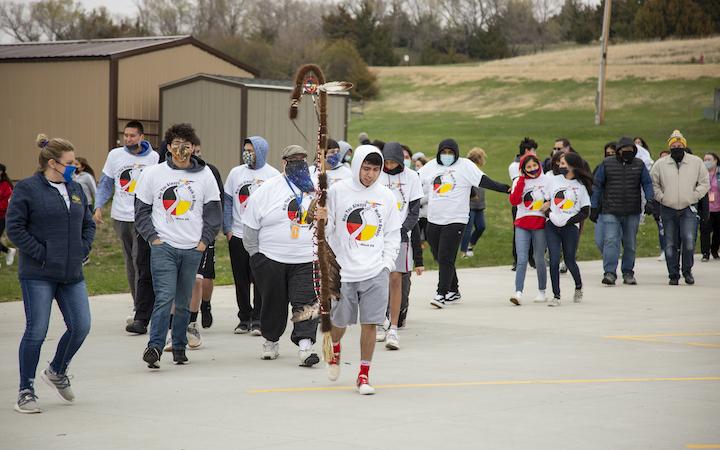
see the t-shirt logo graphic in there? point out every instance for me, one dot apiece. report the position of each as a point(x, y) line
point(396, 188)
point(293, 213)
point(564, 199)
point(128, 179)
point(363, 223)
point(177, 200)
point(244, 193)
point(442, 184)
point(533, 200)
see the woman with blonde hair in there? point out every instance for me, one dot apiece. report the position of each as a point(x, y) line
point(476, 224)
point(49, 220)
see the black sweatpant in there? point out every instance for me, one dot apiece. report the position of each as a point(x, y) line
point(444, 243)
point(279, 285)
point(144, 292)
point(243, 276)
point(710, 235)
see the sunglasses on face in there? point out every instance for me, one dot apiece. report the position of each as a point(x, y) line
point(557, 148)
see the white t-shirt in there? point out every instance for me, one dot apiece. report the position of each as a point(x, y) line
point(177, 198)
point(62, 189)
point(514, 170)
point(534, 195)
point(333, 176)
point(240, 184)
point(450, 190)
point(125, 169)
point(406, 188)
point(363, 229)
point(567, 198)
point(285, 235)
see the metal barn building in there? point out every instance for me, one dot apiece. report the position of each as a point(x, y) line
point(225, 110)
point(85, 91)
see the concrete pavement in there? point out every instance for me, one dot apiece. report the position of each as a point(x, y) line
point(632, 367)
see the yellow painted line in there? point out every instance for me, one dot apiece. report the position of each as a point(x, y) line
point(654, 338)
point(703, 344)
point(641, 336)
point(485, 383)
point(702, 446)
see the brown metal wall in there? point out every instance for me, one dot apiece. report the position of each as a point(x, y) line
point(214, 111)
point(268, 117)
point(61, 99)
point(140, 76)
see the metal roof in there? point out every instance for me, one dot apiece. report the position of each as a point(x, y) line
point(285, 85)
point(105, 48)
point(88, 48)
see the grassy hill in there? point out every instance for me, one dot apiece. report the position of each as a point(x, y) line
point(653, 88)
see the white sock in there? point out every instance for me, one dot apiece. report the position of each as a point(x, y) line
point(305, 344)
point(393, 329)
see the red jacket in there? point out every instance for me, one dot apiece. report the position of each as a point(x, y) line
point(527, 222)
point(5, 193)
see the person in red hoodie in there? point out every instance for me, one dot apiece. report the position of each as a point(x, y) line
point(6, 188)
point(530, 194)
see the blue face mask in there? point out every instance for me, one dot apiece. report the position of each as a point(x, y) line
point(67, 173)
point(299, 174)
point(447, 160)
point(333, 160)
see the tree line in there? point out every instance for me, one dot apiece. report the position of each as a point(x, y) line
point(346, 37)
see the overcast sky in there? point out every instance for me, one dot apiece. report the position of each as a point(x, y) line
point(121, 7)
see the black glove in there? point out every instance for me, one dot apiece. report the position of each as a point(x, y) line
point(594, 214)
point(650, 207)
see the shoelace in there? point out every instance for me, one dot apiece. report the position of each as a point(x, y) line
point(26, 398)
point(63, 382)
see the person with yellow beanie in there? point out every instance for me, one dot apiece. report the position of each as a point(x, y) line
point(679, 182)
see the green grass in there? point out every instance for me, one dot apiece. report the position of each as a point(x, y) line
point(636, 107)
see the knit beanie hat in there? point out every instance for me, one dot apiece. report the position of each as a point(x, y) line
point(677, 136)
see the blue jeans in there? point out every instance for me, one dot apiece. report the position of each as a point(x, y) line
point(37, 300)
point(523, 238)
point(173, 276)
point(477, 221)
point(563, 240)
point(600, 233)
point(619, 229)
point(680, 231)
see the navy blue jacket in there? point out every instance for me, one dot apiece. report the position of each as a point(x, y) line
point(53, 241)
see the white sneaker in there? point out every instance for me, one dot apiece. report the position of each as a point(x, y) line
point(271, 350)
point(470, 253)
point(540, 298)
point(516, 299)
point(363, 386)
point(333, 367)
point(554, 302)
point(10, 257)
point(381, 331)
point(661, 257)
point(393, 343)
point(308, 358)
point(577, 298)
point(168, 344)
point(193, 336)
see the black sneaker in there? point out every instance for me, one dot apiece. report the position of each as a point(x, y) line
point(137, 327)
point(674, 282)
point(453, 298)
point(242, 328)
point(207, 318)
point(152, 357)
point(629, 278)
point(609, 279)
point(179, 357)
point(689, 279)
point(255, 329)
point(532, 263)
point(438, 302)
point(705, 258)
point(514, 267)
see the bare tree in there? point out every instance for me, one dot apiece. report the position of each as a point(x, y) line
point(16, 20)
point(166, 17)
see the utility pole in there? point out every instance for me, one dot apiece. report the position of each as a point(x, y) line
point(600, 96)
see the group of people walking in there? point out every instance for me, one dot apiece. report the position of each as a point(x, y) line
point(169, 204)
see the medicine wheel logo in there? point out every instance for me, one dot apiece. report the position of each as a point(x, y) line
point(564, 199)
point(294, 213)
point(444, 183)
point(177, 200)
point(128, 179)
point(363, 223)
point(533, 200)
point(244, 193)
point(396, 188)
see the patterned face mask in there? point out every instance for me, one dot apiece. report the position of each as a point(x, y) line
point(181, 149)
point(249, 158)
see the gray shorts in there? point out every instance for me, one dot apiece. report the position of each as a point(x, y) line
point(404, 260)
point(368, 296)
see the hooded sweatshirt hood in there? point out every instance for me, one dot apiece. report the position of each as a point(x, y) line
point(359, 156)
point(393, 152)
point(196, 164)
point(145, 148)
point(452, 145)
point(260, 145)
point(525, 159)
point(344, 149)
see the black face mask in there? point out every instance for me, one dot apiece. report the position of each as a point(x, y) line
point(626, 156)
point(394, 171)
point(561, 171)
point(677, 154)
point(132, 148)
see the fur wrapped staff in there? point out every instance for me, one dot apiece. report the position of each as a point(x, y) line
point(326, 278)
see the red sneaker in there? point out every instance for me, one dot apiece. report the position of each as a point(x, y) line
point(333, 367)
point(362, 385)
